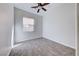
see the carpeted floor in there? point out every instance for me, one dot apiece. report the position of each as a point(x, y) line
point(41, 47)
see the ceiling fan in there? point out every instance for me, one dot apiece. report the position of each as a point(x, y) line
point(40, 6)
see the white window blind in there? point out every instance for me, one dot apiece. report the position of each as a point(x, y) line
point(28, 24)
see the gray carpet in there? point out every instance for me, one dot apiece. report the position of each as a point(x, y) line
point(41, 47)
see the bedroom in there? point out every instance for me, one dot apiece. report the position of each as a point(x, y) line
point(49, 30)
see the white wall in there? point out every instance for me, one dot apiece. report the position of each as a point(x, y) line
point(59, 24)
point(6, 18)
point(78, 29)
point(20, 35)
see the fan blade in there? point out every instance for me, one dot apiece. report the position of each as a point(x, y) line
point(44, 9)
point(35, 7)
point(39, 4)
point(38, 10)
point(45, 4)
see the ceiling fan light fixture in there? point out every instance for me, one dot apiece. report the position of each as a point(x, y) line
point(40, 6)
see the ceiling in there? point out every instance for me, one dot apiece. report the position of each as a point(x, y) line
point(27, 7)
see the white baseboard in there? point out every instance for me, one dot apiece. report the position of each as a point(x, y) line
point(26, 40)
point(59, 42)
point(5, 51)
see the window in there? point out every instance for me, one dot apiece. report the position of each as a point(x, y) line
point(28, 24)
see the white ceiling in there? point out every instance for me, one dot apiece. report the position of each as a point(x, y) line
point(27, 7)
